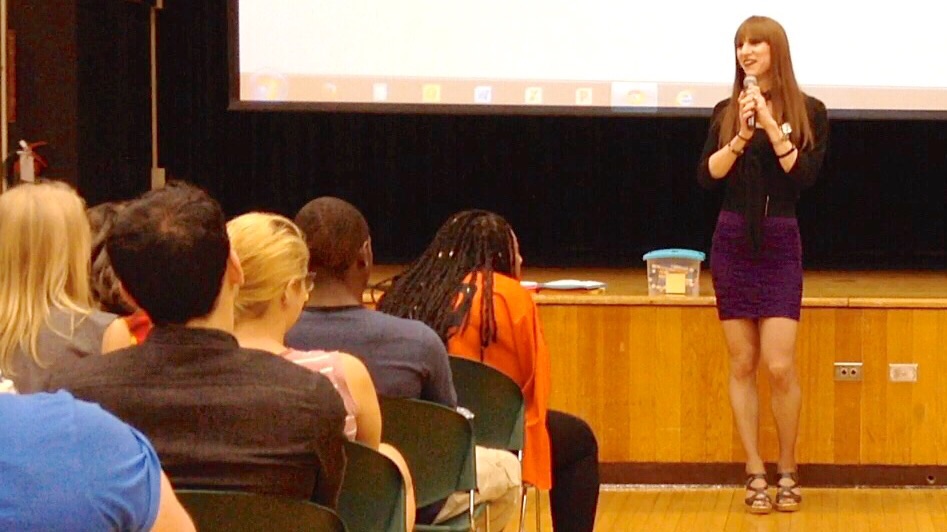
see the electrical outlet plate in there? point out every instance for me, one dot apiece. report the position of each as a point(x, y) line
point(848, 371)
point(902, 372)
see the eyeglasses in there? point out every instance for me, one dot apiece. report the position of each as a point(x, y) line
point(309, 282)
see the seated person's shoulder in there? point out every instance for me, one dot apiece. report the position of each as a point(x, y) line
point(280, 371)
point(507, 283)
point(84, 330)
point(101, 319)
point(91, 370)
point(510, 289)
point(409, 329)
point(94, 424)
point(255, 361)
point(73, 447)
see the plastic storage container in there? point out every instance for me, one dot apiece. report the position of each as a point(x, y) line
point(674, 272)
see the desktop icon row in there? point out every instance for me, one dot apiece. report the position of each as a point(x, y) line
point(483, 94)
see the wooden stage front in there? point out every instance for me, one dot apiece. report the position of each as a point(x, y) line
point(650, 376)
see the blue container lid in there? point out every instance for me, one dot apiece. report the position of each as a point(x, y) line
point(686, 254)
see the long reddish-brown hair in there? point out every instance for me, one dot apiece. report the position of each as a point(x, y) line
point(789, 102)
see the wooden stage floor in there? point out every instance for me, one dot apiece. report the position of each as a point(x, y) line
point(721, 509)
point(862, 289)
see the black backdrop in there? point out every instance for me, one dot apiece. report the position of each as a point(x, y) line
point(82, 85)
point(592, 191)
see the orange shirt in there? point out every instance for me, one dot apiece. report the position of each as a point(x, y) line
point(139, 325)
point(520, 352)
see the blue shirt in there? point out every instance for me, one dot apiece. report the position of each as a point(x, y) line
point(69, 465)
point(405, 358)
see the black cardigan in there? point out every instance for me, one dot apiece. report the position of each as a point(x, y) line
point(756, 185)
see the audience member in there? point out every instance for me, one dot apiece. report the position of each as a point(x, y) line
point(220, 416)
point(466, 287)
point(276, 286)
point(46, 314)
point(106, 290)
point(404, 356)
point(133, 324)
point(68, 465)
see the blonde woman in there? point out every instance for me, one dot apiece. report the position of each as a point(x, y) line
point(276, 286)
point(46, 314)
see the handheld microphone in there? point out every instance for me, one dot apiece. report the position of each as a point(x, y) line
point(750, 81)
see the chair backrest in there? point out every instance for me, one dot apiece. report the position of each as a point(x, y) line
point(437, 443)
point(231, 511)
point(372, 498)
point(494, 399)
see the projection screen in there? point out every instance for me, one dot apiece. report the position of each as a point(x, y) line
point(589, 57)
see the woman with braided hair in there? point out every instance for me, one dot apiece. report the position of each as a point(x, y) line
point(466, 287)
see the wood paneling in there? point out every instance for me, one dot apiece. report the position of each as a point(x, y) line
point(650, 373)
point(821, 289)
point(652, 382)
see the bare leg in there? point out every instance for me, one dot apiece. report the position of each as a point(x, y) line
point(743, 342)
point(398, 459)
point(778, 347)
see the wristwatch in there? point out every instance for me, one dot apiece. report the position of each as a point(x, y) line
point(786, 130)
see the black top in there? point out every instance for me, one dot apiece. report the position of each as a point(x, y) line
point(756, 185)
point(220, 416)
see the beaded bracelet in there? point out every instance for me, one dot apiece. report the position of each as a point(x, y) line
point(733, 151)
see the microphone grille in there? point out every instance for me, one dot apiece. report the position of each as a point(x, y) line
point(749, 81)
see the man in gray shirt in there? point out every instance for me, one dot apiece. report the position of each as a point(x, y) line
point(404, 357)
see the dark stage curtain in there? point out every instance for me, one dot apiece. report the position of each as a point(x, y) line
point(114, 80)
point(578, 190)
point(82, 85)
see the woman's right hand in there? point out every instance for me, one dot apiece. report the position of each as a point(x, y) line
point(747, 111)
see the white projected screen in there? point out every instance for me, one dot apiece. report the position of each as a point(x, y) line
point(588, 56)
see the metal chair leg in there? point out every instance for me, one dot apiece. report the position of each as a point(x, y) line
point(470, 513)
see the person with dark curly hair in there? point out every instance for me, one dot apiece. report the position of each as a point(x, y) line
point(466, 286)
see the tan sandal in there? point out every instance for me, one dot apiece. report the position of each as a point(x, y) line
point(788, 499)
point(757, 502)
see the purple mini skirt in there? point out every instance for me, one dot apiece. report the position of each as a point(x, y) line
point(756, 284)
